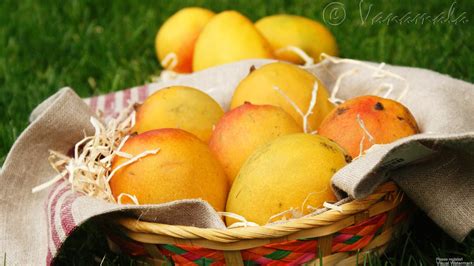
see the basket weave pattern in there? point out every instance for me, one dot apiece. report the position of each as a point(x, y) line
point(335, 236)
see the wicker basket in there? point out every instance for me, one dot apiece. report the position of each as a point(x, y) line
point(334, 236)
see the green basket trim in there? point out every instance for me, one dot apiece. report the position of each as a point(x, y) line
point(250, 263)
point(174, 249)
point(204, 261)
point(278, 255)
point(379, 231)
point(353, 239)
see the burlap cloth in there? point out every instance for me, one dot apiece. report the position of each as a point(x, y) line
point(435, 168)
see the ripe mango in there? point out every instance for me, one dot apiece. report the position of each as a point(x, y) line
point(178, 35)
point(184, 168)
point(289, 30)
point(229, 37)
point(368, 120)
point(242, 130)
point(296, 83)
point(284, 174)
point(179, 107)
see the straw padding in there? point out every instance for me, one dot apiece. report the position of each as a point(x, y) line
point(384, 199)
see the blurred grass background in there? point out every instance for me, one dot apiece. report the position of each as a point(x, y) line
point(101, 46)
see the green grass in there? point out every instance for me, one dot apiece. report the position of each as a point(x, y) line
point(101, 46)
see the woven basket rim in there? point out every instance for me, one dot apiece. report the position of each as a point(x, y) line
point(385, 198)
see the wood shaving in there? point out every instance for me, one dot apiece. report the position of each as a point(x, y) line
point(303, 205)
point(242, 222)
point(89, 170)
point(296, 213)
point(166, 75)
point(132, 197)
point(333, 99)
point(331, 206)
point(366, 133)
point(170, 61)
point(132, 160)
point(312, 103)
point(289, 100)
point(379, 72)
point(308, 60)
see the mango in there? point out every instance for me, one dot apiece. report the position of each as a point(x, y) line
point(177, 37)
point(292, 172)
point(183, 168)
point(367, 120)
point(179, 107)
point(288, 30)
point(293, 83)
point(242, 130)
point(229, 37)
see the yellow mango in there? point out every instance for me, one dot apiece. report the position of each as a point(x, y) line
point(183, 168)
point(288, 30)
point(291, 172)
point(177, 37)
point(179, 107)
point(229, 37)
point(293, 82)
point(242, 130)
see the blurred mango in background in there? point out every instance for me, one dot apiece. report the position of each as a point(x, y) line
point(176, 38)
point(195, 38)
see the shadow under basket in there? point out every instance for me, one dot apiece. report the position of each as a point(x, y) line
point(337, 237)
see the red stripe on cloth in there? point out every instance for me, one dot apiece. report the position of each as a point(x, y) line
point(67, 220)
point(93, 104)
point(49, 258)
point(109, 107)
point(50, 195)
point(48, 223)
point(126, 97)
point(142, 93)
point(54, 233)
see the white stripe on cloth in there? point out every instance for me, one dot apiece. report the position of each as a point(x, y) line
point(118, 102)
point(134, 97)
point(57, 218)
point(101, 103)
